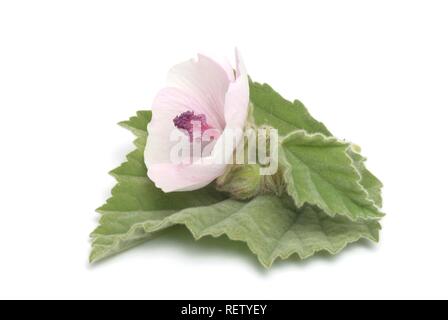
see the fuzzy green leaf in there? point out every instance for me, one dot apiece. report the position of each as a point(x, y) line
point(266, 224)
point(271, 109)
point(319, 171)
point(371, 183)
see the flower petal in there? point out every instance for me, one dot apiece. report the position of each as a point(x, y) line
point(235, 113)
point(205, 80)
point(236, 106)
point(223, 62)
point(171, 178)
point(169, 103)
point(168, 176)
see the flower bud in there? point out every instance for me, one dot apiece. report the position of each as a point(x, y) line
point(241, 181)
point(245, 182)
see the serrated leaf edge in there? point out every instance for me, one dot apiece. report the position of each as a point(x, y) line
point(290, 185)
point(150, 228)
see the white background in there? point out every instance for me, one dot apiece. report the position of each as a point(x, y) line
point(375, 72)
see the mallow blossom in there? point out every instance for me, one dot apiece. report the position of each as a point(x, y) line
point(205, 95)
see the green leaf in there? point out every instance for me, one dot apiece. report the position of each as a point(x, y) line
point(138, 125)
point(371, 183)
point(270, 228)
point(271, 109)
point(319, 171)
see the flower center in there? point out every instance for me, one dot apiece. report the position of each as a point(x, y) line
point(189, 121)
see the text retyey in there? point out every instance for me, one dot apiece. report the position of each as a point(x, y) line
point(230, 309)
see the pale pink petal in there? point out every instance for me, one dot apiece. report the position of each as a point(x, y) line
point(171, 178)
point(235, 112)
point(236, 106)
point(205, 80)
point(169, 103)
point(223, 62)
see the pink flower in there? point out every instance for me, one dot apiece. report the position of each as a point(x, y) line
point(203, 93)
